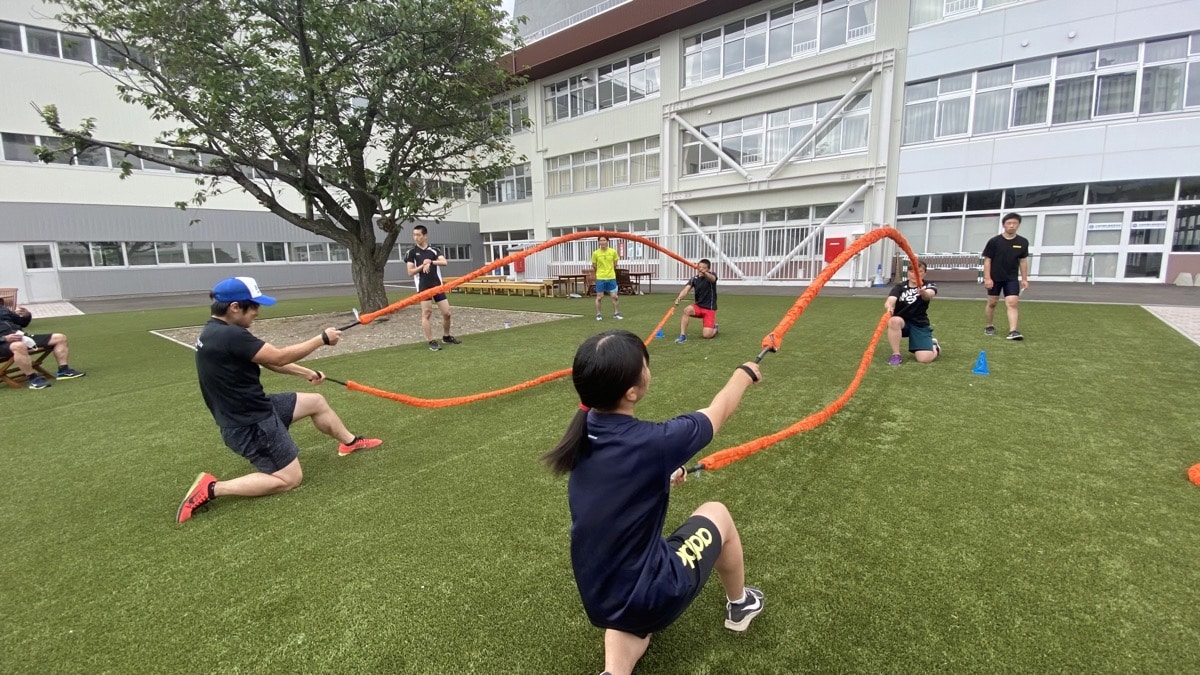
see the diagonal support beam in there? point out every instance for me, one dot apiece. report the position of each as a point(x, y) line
point(705, 238)
point(710, 145)
point(862, 190)
point(823, 123)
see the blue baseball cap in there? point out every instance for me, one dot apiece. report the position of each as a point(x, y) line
point(240, 289)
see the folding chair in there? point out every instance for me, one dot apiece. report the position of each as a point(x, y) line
point(11, 375)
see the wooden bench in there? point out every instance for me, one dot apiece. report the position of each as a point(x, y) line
point(11, 375)
point(541, 289)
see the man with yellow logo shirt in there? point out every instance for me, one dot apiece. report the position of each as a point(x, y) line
point(604, 261)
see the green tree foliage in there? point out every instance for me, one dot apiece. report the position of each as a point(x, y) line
point(342, 117)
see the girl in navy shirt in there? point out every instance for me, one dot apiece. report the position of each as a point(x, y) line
point(632, 580)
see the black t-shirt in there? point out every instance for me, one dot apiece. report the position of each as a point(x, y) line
point(628, 577)
point(11, 322)
point(417, 256)
point(228, 375)
point(1006, 255)
point(910, 305)
point(706, 291)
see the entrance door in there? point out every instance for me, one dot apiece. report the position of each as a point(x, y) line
point(1128, 244)
point(1058, 251)
point(496, 252)
point(41, 278)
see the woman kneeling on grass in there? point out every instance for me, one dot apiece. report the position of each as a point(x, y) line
point(633, 582)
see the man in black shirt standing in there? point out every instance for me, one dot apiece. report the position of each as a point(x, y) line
point(423, 263)
point(1004, 256)
point(254, 424)
point(705, 307)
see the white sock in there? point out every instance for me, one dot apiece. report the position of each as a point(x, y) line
point(739, 600)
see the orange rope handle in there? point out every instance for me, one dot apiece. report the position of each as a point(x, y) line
point(774, 339)
point(729, 455)
point(456, 400)
point(518, 255)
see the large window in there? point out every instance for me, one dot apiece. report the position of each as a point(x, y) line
point(928, 11)
point(91, 254)
point(931, 223)
point(766, 138)
point(59, 45)
point(612, 84)
point(794, 30)
point(1126, 80)
point(614, 165)
point(515, 111)
point(454, 251)
point(515, 185)
point(154, 253)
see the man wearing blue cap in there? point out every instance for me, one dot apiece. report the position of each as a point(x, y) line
point(254, 424)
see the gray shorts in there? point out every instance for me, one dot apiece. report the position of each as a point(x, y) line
point(267, 445)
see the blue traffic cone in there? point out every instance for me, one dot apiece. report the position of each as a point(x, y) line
point(981, 367)
point(659, 333)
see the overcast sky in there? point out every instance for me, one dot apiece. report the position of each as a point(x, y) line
point(507, 5)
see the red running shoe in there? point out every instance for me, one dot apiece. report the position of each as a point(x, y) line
point(197, 496)
point(359, 443)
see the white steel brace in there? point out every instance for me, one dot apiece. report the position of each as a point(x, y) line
point(822, 123)
point(705, 238)
point(862, 189)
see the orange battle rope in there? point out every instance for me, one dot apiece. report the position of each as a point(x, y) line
point(429, 293)
point(774, 339)
point(770, 343)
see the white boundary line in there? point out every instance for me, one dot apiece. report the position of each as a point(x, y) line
point(167, 337)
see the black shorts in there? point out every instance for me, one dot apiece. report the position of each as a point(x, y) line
point(267, 445)
point(42, 341)
point(697, 542)
point(1009, 287)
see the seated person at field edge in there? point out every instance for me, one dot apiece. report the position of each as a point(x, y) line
point(908, 304)
point(15, 343)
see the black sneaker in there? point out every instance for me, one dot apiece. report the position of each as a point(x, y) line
point(989, 330)
point(1015, 335)
point(451, 340)
point(434, 346)
point(738, 617)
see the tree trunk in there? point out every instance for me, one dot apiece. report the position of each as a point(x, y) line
point(368, 281)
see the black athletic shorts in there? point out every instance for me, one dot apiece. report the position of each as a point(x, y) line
point(698, 543)
point(41, 341)
point(1009, 288)
point(267, 444)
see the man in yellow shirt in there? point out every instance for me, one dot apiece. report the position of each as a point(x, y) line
point(604, 261)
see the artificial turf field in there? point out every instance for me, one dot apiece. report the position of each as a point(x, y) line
point(1037, 519)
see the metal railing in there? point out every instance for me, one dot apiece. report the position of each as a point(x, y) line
point(1079, 267)
point(754, 250)
point(575, 18)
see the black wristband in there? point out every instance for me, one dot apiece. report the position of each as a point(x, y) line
point(753, 377)
point(325, 337)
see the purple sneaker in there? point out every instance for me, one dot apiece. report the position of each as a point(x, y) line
point(895, 360)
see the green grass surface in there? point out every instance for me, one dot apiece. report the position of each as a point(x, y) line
point(1034, 520)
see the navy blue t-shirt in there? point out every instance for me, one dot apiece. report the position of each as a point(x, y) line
point(628, 578)
point(229, 377)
